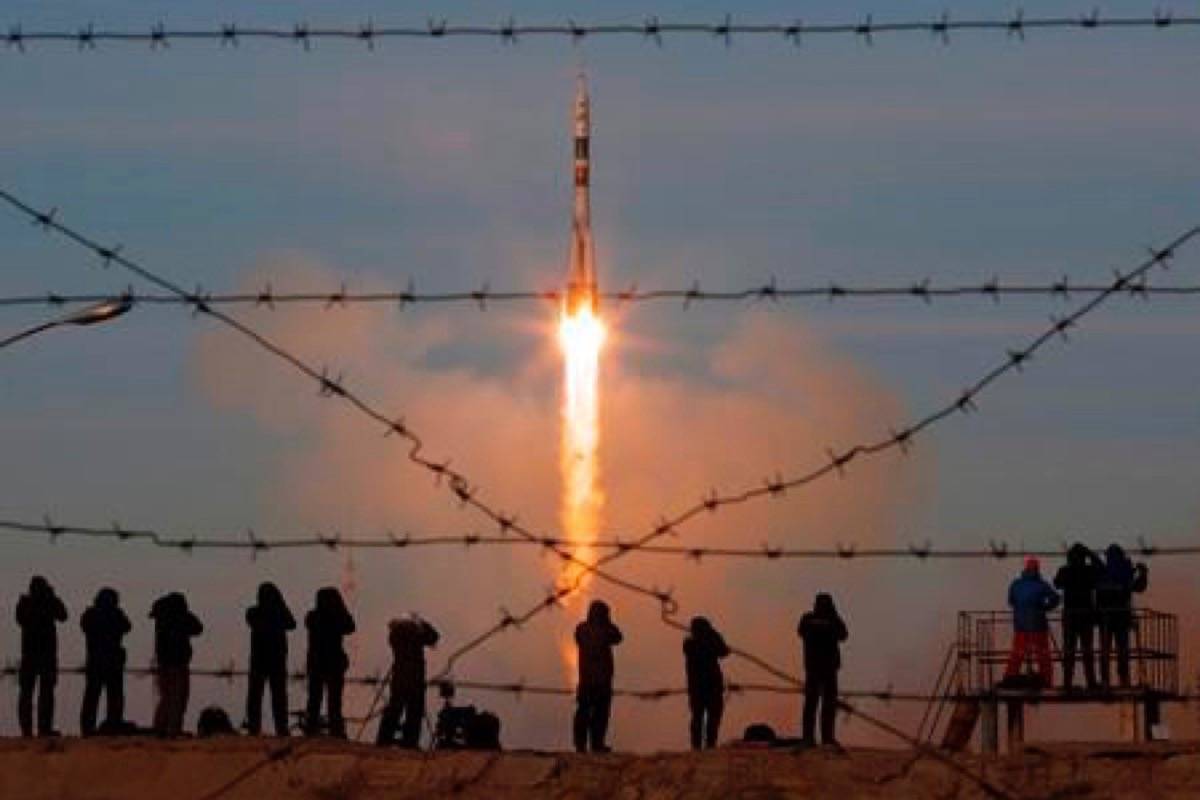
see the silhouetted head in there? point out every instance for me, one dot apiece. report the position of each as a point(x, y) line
point(1115, 554)
point(598, 612)
point(39, 587)
point(329, 599)
point(1077, 555)
point(1032, 565)
point(269, 596)
point(107, 598)
point(823, 605)
point(169, 606)
point(701, 626)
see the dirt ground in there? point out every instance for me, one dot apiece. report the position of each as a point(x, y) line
point(249, 769)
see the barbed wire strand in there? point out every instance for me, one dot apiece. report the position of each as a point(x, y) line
point(329, 386)
point(997, 550)
point(267, 298)
point(232, 672)
point(650, 29)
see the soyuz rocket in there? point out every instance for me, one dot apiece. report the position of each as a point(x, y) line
point(581, 272)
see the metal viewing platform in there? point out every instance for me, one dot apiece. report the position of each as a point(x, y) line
point(971, 689)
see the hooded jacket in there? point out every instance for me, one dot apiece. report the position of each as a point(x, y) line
point(408, 639)
point(1077, 580)
point(174, 627)
point(702, 653)
point(104, 625)
point(328, 624)
point(822, 630)
point(1031, 597)
point(596, 637)
point(269, 620)
point(38, 614)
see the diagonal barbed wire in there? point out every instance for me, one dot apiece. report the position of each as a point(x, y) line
point(330, 386)
point(899, 439)
point(996, 550)
point(484, 296)
point(650, 29)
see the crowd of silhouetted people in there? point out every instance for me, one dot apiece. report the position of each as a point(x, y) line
point(1096, 594)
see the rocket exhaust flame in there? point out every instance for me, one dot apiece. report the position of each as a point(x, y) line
point(581, 337)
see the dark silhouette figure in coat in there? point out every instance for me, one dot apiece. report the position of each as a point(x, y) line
point(408, 639)
point(38, 613)
point(104, 625)
point(1114, 598)
point(1077, 581)
point(174, 628)
point(822, 631)
point(596, 637)
point(328, 623)
point(702, 654)
point(269, 620)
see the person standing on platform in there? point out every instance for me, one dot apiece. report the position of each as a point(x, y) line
point(1031, 598)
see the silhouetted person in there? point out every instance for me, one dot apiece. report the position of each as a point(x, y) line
point(174, 627)
point(269, 620)
point(104, 625)
point(328, 623)
point(406, 707)
point(1031, 598)
point(1077, 580)
point(702, 654)
point(822, 630)
point(596, 637)
point(1114, 598)
point(38, 613)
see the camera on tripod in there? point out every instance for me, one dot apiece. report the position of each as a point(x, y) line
point(464, 727)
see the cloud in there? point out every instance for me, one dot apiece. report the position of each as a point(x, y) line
point(768, 396)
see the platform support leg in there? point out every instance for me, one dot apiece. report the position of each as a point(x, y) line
point(989, 727)
point(1016, 726)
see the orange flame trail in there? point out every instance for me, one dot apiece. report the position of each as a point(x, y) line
point(581, 335)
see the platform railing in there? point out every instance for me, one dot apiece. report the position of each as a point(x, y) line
point(984, 639)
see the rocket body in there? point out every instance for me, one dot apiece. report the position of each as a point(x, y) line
point(581, 271)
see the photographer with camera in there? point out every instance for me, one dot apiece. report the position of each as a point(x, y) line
point(408, 638)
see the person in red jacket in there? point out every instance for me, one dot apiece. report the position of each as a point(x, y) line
point(1031, 598)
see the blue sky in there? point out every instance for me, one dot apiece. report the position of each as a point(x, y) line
point(446, 163)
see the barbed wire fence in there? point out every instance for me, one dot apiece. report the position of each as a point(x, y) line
point(837, 463)
point(329, 385)
point(484, 296)
point(900, 439)
point(650, 29)
point(115, 533)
